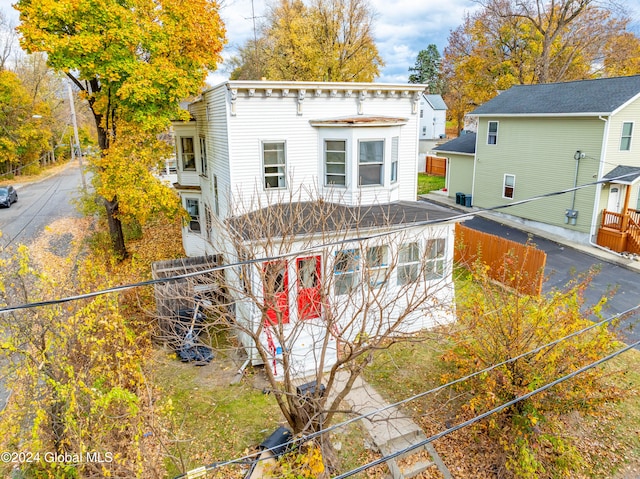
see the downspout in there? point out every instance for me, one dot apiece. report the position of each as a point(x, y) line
point(596, 202)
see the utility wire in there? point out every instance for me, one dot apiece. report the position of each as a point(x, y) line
point(303, 439)
point(485, 414)
point(395, 230)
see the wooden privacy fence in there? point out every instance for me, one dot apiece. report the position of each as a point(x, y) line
point(436, 166)
point(513, 264)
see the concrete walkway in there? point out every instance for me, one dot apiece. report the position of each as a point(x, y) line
point(391, 430)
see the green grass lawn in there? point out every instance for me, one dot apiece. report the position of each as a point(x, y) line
point(427, 183)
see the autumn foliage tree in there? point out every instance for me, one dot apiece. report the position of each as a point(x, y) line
point(327, 40)
point(496, 324)
point(134, 62)
point(75, 372)
point(22, 139)
point(508, 42)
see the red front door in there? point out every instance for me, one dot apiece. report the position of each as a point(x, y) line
point(309, 300)
point(276, 292)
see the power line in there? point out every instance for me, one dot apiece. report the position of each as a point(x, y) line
point(485, 414)
point(243, 459)
point(395, 230)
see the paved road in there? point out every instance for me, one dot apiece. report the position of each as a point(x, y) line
point(562, 264)
point(39, 204)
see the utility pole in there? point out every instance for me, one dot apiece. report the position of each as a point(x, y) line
point(75, 134)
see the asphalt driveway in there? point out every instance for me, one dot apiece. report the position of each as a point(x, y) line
point(564, 262)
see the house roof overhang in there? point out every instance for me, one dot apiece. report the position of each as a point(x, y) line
point(359, 121)
point(623, 175)
point(194, 188)
point(300, 219)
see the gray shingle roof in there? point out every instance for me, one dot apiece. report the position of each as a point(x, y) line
point(302, 218)
point(600, 96)
point(462, 144)
point(623, 174)
point(436, 102)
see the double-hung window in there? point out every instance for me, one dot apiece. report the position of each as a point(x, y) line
point(216, 198)
point(193, 208)
point(394, 159)
point(377, 265)
point(434, 264)
point(335, 162)
point(625, 140)
point(345, 271)
point(203, 156)
point(508, 186)
point(492, 136)
point(408, 263)
point(371, 162)
point(188, 153)
point(274, 162)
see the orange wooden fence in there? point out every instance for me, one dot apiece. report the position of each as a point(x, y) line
point(513, 264)
point(436, 166)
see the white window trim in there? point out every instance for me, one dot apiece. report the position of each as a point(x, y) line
point(376, 272)
point(193, 219)
point(204, 167)
point(381, 164)
point(409, 264)
point(182, 163)
point(504, 186)
point(622, 135)
point(489, 131)
point(435, 263)
point(263, 173)
point(346, 162)
point(395, 156)
point(354, 273)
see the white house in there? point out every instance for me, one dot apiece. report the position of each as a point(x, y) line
point(433, 117)
point(306, 170)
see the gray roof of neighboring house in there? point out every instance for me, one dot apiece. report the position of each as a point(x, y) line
point(586, 97)
point(436, 102)
point(463, 144)
point(623, 174)
point(301, 218)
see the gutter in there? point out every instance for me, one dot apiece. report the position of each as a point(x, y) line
point(596, 200)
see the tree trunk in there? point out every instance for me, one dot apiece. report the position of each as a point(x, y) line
point(115, 228)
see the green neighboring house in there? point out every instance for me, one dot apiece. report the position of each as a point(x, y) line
point(537, 139)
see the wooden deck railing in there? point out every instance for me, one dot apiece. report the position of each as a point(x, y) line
point(619, 221)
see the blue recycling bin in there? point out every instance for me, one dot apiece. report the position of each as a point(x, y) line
point(467, 201)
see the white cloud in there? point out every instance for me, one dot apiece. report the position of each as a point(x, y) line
point(402, 29)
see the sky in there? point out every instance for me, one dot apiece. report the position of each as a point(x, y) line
point(402, 29)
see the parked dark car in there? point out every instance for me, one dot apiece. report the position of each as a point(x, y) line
point(8, 195)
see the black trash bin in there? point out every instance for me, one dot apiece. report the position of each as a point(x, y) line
point(459, 198)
